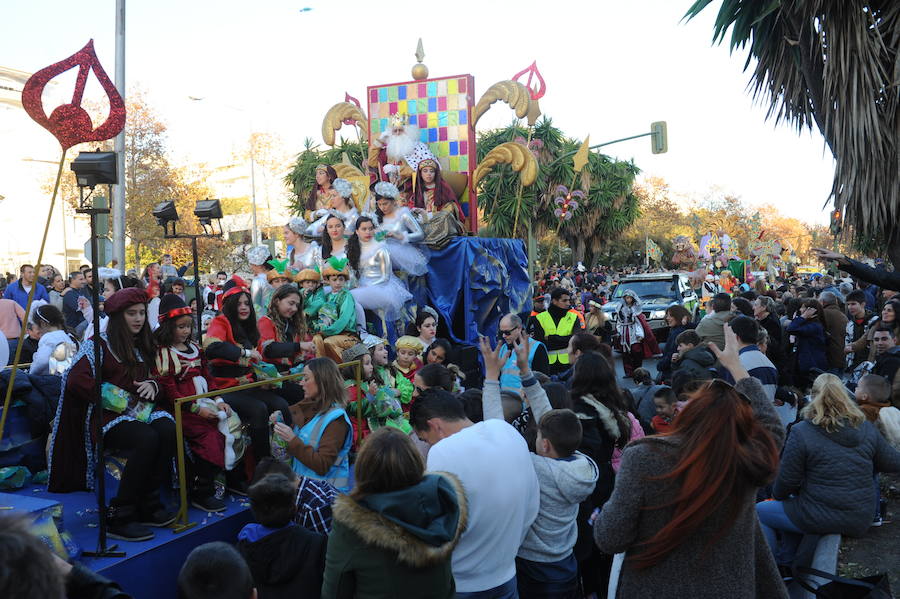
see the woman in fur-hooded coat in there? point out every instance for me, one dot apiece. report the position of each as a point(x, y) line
point(396, 545)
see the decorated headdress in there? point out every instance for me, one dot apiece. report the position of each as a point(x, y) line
point(375, 220)
point(336, 266)
point(399, 120)
point(429, 162)
point(386, 190)
point(279, 270)
point(322, 167)
point(172, 306)
point(232, 286)
point(307, 274)
point(432, 312)
point(258, 254)
point(110, 273)
point(343, 187)
point(298, 225)
point(408, 342)
point(354, 353)
point(370, 340)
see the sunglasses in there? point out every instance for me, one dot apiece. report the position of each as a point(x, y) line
point(723, 386)
point(504, 333)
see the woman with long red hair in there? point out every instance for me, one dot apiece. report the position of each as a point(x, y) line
point(683, 506)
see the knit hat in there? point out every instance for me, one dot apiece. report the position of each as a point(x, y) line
point(409, 342)
point(307, 274)
point(336, 266)
point(353, 353)
point(258, 254)
point(124, 298)
point(172, 306)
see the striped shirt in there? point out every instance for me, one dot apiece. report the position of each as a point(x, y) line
point(759, 367)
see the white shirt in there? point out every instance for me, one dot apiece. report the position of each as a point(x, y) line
point(492, 461)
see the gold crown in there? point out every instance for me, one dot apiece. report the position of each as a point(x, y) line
point(398, 120)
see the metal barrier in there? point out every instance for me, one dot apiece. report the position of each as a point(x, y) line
point(181, 522)
point(20, 366)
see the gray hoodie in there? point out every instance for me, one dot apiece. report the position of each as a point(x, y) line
point(564, 484)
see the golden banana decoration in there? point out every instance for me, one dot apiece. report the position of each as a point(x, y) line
point(512, 92)
point(513, 153)
point(337, 114)
point(345, 171)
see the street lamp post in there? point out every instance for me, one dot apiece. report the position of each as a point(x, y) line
point(255, 230)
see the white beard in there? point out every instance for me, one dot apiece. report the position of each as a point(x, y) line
point(399, 146)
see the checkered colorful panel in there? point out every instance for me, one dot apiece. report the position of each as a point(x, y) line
point(440, 108)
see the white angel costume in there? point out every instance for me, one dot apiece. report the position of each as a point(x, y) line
point(379, 290)
point(317, 228)
point(300, 260)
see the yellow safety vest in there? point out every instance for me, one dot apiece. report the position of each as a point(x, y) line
point(565, 327)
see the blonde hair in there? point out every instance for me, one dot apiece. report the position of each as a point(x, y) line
point(831, 406)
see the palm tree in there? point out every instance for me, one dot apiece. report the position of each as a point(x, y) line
point(609, 208)
point(835, 65)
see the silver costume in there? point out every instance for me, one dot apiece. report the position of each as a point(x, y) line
point(404, 226)
point(306, 259)
point(317, 228)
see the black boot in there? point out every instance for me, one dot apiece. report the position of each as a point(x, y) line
point(203, 496)
point(121, 523)
point(152, 512)
point(235, 481)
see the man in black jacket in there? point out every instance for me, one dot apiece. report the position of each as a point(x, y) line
point(882, 278)
point(887, 353)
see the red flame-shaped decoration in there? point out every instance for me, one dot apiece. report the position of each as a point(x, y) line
point(349, 98)
point(70, 123)
point(536, 92)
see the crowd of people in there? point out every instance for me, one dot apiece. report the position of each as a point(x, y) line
point(767, 421)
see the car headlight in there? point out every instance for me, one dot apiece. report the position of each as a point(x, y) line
point(658, 314)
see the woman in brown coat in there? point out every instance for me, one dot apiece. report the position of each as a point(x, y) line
point(683, 507)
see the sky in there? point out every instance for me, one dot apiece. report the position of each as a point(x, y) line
point(611, 68)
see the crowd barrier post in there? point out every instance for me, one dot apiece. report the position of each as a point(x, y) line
point(182, 523)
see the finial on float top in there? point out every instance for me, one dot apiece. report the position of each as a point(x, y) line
point(419, 70)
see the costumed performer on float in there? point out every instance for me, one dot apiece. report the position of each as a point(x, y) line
point(395, 155)
point(434, 196)
point(302, 253)
point(308, 281)
point(260, 291)
point(343, 207)
point(401, 230)
point(336, 321)
point(323, 194)
point(181, 370)
point(377, 289)
point(283, 337)
point(129, 421)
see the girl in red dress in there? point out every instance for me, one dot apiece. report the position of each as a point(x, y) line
point(181, 371)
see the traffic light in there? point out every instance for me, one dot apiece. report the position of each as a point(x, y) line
point(659, 140)
point(836, 222)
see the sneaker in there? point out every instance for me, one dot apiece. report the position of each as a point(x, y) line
point(129, 531)
point(878, 521)
point(159, 517)
point(209, 504)
point(121, 524)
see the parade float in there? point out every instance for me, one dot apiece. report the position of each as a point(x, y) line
point(410, 130)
